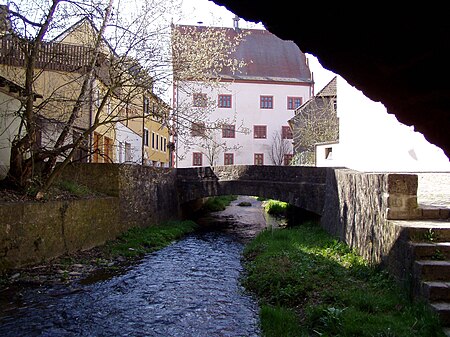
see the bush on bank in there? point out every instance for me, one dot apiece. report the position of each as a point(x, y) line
point(275, 207)
point(310, 284)
point(215, 204)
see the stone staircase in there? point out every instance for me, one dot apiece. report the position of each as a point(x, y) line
point(421, 213)
point(429, 244)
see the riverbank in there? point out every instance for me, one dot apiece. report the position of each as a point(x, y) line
point(309, 284)
point(114, 255)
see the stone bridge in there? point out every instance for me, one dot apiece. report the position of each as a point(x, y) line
point(303, 187)
point(366, 210)
point(316, 189)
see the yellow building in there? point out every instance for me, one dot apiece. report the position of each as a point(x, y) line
point(138, 112)
point(118, 121)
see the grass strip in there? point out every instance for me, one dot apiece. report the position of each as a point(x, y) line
point(139, 241)
point(310, 284)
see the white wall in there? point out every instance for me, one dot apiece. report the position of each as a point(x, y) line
point(126, 135)
point(9, 126)
point(323, 158)
point(373, 140)
point(246, 111)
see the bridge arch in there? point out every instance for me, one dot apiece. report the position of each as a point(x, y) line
point(303, 187)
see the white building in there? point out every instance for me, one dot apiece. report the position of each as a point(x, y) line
point(250, 108)
point(372, 140)
point(129, 148)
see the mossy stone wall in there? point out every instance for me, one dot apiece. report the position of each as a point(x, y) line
point(32, 232)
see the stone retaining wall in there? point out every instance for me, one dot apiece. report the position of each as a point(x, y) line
point(147, 195)
point(137, 196)
point(358, 209)
point(32, 232)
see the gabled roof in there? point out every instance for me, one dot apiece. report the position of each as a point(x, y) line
point(267, 57)
point(330, 89)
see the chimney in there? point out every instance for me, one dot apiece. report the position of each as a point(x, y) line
point(236, 23)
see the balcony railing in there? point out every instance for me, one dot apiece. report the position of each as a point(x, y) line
point(52, 56)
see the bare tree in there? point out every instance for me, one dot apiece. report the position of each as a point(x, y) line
point(279, 149)
point(212, 147)
point(96, 83)
point(315, 123)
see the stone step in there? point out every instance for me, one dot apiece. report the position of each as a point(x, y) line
point(427, 212)
point(430, 231)
point(430, 250)
point(443, 310)
point(432, 270)
point(435, 291)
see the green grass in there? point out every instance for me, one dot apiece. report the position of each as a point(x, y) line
point(74, 188)
point(310, 284)
point(276, 207)
point(139, 241)
point(215, 204)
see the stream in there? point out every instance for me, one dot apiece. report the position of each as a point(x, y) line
point(190, 288)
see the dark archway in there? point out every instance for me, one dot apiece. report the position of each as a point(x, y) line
point(395, 54)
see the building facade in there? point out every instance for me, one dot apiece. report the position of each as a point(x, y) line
point(125, 118)
point(315, 127)
point(244, 119)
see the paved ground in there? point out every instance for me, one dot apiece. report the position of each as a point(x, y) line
point(434, 190)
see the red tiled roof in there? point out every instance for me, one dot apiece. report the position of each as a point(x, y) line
point(267, 57)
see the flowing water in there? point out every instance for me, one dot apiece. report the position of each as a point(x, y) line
point(190, 288)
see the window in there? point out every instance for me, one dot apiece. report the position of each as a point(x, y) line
point(266, 102)
point(97, 147)
point(224, 101)
point(81, 154)
point(329, 153)
point(127, 152)
point(259, 131)
point(197, 129)
point(145, 136)
point(165, 144)
point(286, 132)
point(228, 131)
point(108, 148)
point(121, 151)
point(228, 159)
point(153, 140)
point(200, 100)
point(294, 102)
point(287, 159)
point(146, 106)
point(259, 159)
point(197, 159)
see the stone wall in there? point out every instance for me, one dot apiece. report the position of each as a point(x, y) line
point(136, 196)
point(147, 195)
point(32, 232)
point(358, 208)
